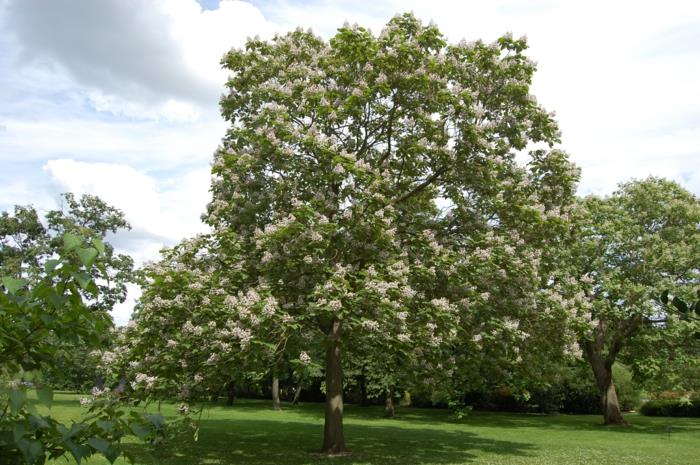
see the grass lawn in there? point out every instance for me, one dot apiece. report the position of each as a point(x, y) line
point(251, 433)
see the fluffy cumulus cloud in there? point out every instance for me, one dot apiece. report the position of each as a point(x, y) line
point(119, 98)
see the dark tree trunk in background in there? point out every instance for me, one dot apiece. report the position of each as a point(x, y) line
point(333, 440)
point(364, 401)
point(276, 403)
point(389, 404)
point(297, 394)
point(230, 393)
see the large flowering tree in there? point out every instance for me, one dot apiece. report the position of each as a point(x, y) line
point(364, 180)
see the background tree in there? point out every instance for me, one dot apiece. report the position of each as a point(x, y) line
point(27, 244)
point(630, 247)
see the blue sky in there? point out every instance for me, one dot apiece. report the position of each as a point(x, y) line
point(119, 97)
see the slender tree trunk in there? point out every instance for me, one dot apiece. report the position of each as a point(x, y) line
point(364, 401)
point(333, 440)
point(297, 394)
point(230, 393)
point(276, 403)
point(389, 404)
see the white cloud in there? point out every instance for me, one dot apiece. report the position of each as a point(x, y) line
point(162, 211)
point(121, 313)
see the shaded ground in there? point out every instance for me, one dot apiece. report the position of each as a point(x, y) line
point(251, 433)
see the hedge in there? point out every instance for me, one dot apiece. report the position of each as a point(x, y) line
point(672, 408)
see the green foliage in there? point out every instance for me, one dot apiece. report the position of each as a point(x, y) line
point(672, 408)
point(629, 395)
point(37, 314)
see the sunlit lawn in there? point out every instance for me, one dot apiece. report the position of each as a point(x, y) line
point(251, 433)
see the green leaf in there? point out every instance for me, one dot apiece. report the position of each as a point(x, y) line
point(31, 449)
point(71, 242)
point(58, 301)
point(17, 399)
point(99, 245)
point(100, 444)
point(87, 256)
point(680, 305)
point(140, 430)
point(45, 396)
point(78, 452)
point(157, 419)
point(106, 425)
point(19, 432)
point(13, 284)
point(51, 265)
point(39, 422)
point(113, 453)
point(664, 297)
point(83, 279)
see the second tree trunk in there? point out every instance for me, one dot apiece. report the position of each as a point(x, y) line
point(333, 439)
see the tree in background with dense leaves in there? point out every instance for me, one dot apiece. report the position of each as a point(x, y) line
point(27, 243)
point(352, 174)
point(630, 247)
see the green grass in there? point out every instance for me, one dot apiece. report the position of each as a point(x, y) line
point(252, 434)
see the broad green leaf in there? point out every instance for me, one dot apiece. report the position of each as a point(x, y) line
point(31, 449)
point(99, 245)
point(98, 443)
point(13, 284)
point(664, 297)
point(680, 305)
point(58, 301)
point(140, 430)
point(51, 265)
point(106, 425)
point(78, 452)
point(39, 422)
point(20, 431)
point(83, 279)
point(113, 453)
point(157, 419)
point(87, 256)
point(17, 399)
point(45, 396)
point(71, 242)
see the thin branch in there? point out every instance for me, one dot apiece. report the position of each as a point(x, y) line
point(420, 187)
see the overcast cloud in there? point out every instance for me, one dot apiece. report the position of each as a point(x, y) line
point(119, 98)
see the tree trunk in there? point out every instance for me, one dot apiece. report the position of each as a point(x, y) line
point(389, 404)
point(612, 415)
point(276, 404)
point(230, 393)
point(297, 394)
point(333, 440)
point(364, 401)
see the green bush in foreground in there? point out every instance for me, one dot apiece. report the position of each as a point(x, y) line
point(672, 408)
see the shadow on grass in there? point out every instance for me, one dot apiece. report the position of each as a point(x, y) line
point(439, 417)
point(270, 442)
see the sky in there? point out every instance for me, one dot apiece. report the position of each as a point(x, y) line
point(119, 98)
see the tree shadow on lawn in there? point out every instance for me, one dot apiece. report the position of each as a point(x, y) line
point(440, 417)
point(637, 424)
point(263, 442)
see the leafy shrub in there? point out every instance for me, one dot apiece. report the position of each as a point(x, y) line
point(672, 408)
